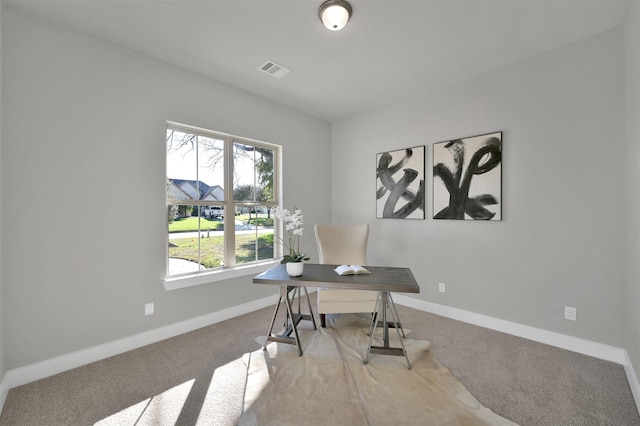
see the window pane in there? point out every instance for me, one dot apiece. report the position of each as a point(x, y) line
point(212, 237)
point(183, 240)
point(254, 235)
point(195, 242)
point(252, 173)
point(181, 166)
point(211, 168)
point(195, 168)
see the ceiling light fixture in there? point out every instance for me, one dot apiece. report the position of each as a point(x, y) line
point(335, 14)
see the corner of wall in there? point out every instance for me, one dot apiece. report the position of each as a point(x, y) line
point(632, 146)
point(3, 388)
point(633, 380)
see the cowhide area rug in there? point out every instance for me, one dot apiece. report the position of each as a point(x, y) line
point(330, 385)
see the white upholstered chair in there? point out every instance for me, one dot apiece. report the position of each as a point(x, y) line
point(338, 245)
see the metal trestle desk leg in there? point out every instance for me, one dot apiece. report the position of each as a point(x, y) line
point(292, 319)
point(383, 303)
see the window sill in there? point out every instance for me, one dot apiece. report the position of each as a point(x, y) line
point(184, 281)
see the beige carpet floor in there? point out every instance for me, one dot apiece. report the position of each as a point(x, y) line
point(328, 385)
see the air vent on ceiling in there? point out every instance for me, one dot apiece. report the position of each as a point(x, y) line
point(273, 69)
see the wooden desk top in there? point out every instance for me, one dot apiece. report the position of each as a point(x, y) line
point(381, 278)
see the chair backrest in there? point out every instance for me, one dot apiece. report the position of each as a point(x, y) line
point(339, 245)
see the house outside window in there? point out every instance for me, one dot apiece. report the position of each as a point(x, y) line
point(221, 193)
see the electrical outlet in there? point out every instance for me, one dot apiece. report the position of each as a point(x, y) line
point(570, 313)
point(148, 309)
point(441, 287)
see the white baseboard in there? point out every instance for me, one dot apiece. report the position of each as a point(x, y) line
point(29, 373)
point(574, 344)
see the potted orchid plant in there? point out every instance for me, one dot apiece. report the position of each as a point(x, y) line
point(293, 227)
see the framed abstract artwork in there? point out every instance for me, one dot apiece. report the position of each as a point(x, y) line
point(467, 178)
point(400, 184)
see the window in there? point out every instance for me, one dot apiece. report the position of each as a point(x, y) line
point(221, 192)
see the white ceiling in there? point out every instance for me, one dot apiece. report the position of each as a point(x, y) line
point(389, 50)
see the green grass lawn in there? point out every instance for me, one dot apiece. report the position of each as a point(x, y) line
point(259, 221)
point(189, 224)
point(212, 249)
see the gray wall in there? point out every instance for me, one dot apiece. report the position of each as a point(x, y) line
point(2, 319)
point(632, 91)
point(83, 184)
point(561, 240)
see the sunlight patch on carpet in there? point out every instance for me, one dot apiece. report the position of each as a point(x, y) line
point(164, 408)
point(224, 399)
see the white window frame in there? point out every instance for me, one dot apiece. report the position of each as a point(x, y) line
point(230, 270)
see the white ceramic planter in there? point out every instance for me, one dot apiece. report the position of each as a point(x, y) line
point(294, 269)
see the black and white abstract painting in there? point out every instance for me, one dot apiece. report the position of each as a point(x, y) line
point(467, 178)
point(400, 184)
